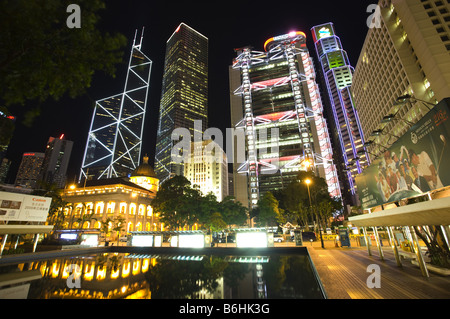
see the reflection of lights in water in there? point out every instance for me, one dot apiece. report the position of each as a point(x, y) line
point(126, 269)
point(136, 265)
point(101, 273)
point(89, 272)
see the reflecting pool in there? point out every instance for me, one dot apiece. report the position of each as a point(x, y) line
point(150, 275)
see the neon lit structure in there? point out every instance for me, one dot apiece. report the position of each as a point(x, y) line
point(113, 147)
point(338, 75)
point(278, 90)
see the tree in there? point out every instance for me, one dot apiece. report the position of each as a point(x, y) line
point(118, 226)
point(268, 212)
point(233, 212)
point(177, 203)
point(41, 57)
point(86, 215)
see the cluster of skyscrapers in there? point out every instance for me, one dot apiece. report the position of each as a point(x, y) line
point(288, 113)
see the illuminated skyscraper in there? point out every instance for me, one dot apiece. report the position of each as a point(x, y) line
point(338, 75)
point(184, 97)
point(113, 147)
point(56, 161)
point(406, 54)
point(29, 169)
point(276, 102)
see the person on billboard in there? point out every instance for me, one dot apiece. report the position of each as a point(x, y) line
point(408, 170)
point(401, 182)
point(383, 187)
point(392, 179)
point(388, 160)
point(426, 168)
point(407, 177)
point(420, 181)
point(396, 161)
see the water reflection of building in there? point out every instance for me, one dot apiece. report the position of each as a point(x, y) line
point(99, 277)
point(112, 198)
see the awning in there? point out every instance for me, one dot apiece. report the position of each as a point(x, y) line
point(434, 212)
point(25, 229)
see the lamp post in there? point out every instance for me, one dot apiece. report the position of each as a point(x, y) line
point(408, 97)
point(307, 182)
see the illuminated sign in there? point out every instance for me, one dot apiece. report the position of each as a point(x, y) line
point(191, 241)
point(283, 37)
point(142, 241)
point(21, 207)
point(251, 240)
point(324, 33)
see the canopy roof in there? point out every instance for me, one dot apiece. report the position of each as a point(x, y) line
point(434, 212)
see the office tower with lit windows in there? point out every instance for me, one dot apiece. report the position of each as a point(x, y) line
point(29, 169)
point(184, 97)
point(114, 142)
point(343, 117)
point(275, 102)
point(403, 68)
point(208, 168)
point(56, 161)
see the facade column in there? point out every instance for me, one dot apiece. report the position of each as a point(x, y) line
point(36, 238)
point(394, 246)
point(422, 265)
point(446, 233)
point(366, 238)
point(5, 237)
point(377, 238)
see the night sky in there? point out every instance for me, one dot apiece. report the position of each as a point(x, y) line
point(228, 25)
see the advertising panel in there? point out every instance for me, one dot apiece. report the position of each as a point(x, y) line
point(21, 207)
point(418, 162)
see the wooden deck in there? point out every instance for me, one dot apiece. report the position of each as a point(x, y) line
point(343, 272)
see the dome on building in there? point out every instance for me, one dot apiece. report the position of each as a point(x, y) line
point(144, 169)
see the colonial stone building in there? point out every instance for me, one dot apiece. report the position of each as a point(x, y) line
point(109, 199)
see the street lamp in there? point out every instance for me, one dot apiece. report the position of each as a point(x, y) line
point(369, 143)
point(408, 97)
point(307, 182)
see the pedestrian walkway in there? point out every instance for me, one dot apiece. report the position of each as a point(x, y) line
point(343, 272)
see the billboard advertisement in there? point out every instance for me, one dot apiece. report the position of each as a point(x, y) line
point(21, 207)
point(418, 162)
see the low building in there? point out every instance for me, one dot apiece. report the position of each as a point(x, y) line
point(113, 198)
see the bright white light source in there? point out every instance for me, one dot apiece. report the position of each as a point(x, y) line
point(158, 241)
point(191, 241)
point(69, 236)
point(251, 240)
point(142, 241)
point(174, 241)
point(90, 240)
